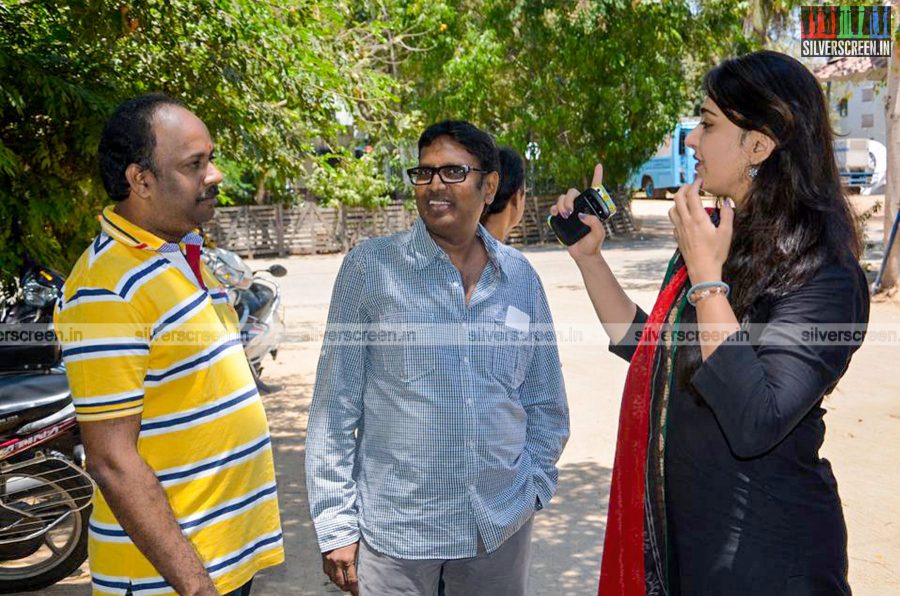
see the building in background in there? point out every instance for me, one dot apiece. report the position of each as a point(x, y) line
point(855, 88)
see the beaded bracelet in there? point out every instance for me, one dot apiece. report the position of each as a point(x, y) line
point(707, 289)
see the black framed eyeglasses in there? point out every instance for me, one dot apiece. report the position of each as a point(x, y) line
point(452, 174)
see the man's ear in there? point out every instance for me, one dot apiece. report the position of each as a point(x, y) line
point(491, 182)
point(759, 147)
point(519, 197)
point(139, 179)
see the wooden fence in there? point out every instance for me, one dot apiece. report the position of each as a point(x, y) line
point(306, 229)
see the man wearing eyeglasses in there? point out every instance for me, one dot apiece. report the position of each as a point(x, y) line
point(439, 410)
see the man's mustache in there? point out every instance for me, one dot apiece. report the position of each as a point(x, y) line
point(211, 193)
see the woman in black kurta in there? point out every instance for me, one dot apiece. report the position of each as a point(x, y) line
point(752, 508)
point(718, 487)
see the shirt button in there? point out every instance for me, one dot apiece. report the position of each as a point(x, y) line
point(466, 359)
point(468, 401)
point(471, 444)
point(456, 284)
point(471, 488)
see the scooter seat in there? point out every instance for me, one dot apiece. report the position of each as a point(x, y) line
point(20, 394)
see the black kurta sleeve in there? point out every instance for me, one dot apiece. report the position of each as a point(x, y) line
point(760, 394)
point(627, 346)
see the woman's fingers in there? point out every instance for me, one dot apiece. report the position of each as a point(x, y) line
point(681, 202)
point(726, 218)
point(597, 180)
point(571, 195)
point(565, 204)
point(693, 202)
point(593, 222)
point(555, 207)
point(589, 245)
point(675, 216)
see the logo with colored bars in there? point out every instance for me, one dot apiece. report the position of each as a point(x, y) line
point(836, 31)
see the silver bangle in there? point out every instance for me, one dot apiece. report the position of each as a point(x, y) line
point(707, 289)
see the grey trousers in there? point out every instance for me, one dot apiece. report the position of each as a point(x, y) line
point(503, 572)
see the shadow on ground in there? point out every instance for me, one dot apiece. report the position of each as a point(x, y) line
point(288, 412)
point(568, 535)
point(77, 584)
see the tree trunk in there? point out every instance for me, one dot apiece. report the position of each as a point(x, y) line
point(260, 197)
point(891, 273)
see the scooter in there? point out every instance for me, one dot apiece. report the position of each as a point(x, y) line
point(45, 493)
point(257, 301)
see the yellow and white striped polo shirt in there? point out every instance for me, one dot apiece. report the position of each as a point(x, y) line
point(141, 336)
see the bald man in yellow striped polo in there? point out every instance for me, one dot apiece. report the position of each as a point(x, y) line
point(173, 427)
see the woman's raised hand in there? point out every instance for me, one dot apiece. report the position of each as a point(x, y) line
point(704, 246)
point(590, 245)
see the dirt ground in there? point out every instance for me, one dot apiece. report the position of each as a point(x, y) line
point(862, 442)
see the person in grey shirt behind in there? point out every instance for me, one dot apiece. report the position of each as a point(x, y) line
point(439, 411)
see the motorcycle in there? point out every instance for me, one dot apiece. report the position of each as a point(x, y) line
point(257, 301)
point(45, 493)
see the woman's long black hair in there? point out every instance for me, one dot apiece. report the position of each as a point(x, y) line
point(795, 217)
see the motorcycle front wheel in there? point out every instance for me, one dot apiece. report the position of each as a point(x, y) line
point(43, 561)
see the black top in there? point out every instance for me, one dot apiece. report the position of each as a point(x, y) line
point(751, 507)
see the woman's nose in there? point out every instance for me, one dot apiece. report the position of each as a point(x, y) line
point(691, 139)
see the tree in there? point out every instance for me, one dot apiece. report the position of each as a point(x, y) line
point(603, 80)
point(891, 273)
point(266, 77)
point(586, 81)
point(765, 16)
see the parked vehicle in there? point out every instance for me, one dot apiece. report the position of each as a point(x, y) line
point(45, 493)
point(862, 164)
point(672, 165)
point(257, 301)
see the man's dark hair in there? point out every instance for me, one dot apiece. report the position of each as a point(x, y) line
point(128, 138)
point(476, 141)
point(512, 179)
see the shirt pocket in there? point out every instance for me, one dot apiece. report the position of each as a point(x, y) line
point(407, 345)
point(512, 352)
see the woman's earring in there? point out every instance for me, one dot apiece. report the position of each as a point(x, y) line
point(752, 171)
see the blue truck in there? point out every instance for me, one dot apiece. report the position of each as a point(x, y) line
point(671, 166)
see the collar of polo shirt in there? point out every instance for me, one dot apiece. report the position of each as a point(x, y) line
point(119, 228)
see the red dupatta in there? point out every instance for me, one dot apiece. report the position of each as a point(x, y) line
point(622, 570)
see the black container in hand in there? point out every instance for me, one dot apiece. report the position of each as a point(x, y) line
point(593, 201)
